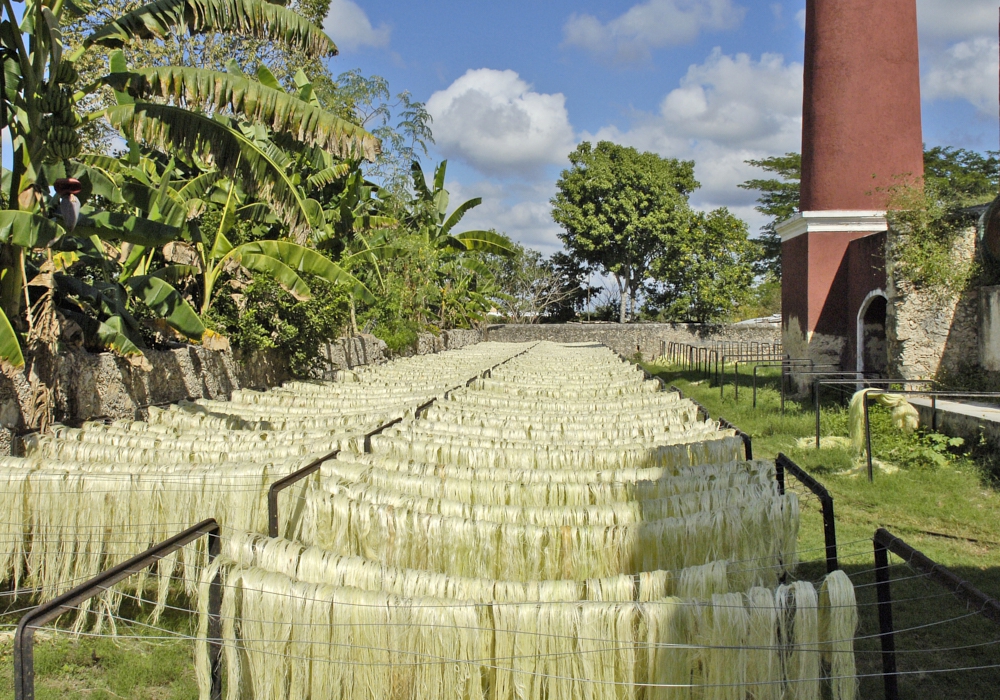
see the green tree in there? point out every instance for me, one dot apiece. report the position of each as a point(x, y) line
point(779, 199)
point(963, 176)
point(43, 88)
point(707, 269)
point(619, 207)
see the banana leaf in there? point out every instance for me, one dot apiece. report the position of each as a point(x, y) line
point(115, 226)
point(10, 348)
point(167, 302)
point(27, 230)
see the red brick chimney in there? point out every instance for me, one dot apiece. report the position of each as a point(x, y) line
point(861, 134)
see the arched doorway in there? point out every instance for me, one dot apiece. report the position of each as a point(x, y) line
point(872, 351)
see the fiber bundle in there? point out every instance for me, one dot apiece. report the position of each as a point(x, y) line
point(285, 638)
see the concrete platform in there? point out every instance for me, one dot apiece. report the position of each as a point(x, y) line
point(964, 419)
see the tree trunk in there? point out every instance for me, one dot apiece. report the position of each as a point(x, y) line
point(623, 289)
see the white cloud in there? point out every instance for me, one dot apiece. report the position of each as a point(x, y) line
point(726, 111)
point(349, 27)
point(736, 101)
point(956, 19)
point(800, 17)
point(968, 71)
point(958, 52)
point(520, 210)
point(492, 120)
point(653, 24)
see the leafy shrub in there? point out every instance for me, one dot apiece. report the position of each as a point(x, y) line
point(263, 316)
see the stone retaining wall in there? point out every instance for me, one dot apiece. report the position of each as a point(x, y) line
point(628, 339)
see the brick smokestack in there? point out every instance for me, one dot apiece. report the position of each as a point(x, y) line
point(861, 135)
point(861, 108)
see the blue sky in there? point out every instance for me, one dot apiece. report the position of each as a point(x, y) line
point(514, 86)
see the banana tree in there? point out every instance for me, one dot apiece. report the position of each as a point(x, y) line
point(284, 261)
point(40, 93)
point(429, 215)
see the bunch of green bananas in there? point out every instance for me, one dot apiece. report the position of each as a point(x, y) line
point(56, 101)
point(66, 73)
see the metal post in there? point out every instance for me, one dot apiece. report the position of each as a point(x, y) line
point(784, 378)
point(934, 413)
point(24, 637)
point(756, 367)
point(868, 438)
point(784, 465)
point(886, 635)
point(829, 533)
point(816, 395)
point(722, 379)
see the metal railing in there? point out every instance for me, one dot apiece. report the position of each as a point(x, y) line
point(872, 384)
point(933, 395)
point(965, 592)
point(702, 356)
point(786, 365)
point(703, 413)
point(782, 466)
point(24, 637)
point(747, 440)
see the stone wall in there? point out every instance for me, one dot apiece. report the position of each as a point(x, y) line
point(361, 350)
point(929, 332)
point(627, 339)
point(104, 386)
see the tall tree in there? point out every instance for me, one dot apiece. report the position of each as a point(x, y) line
point(707, 270)
point(618, 207)
point(779, 199)
point(962, 176)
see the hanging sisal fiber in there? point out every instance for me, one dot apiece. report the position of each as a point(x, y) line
point(291, 639)
point(764, 531)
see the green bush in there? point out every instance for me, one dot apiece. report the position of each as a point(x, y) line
point(263, 316)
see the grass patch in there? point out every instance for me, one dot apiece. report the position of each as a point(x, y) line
point(939, 498)
point(160, 666)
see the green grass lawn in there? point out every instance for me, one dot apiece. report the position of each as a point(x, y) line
point(158, 667)
point(940, 503)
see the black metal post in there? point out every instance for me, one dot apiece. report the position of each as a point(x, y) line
point(783, 465)
point(885, 629)
point(783, 380)
point(747, 440)
point(816, 395)
point(24, 637)
point(934, 413)
point(283, 483)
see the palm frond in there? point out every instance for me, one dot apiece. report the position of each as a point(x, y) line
point(486, 241)
point(256, 18)
point(327, 175)
point(210, 90)
point(234, 154)
point(457, 215)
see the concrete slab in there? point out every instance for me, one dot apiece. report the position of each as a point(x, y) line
point(966, 419)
